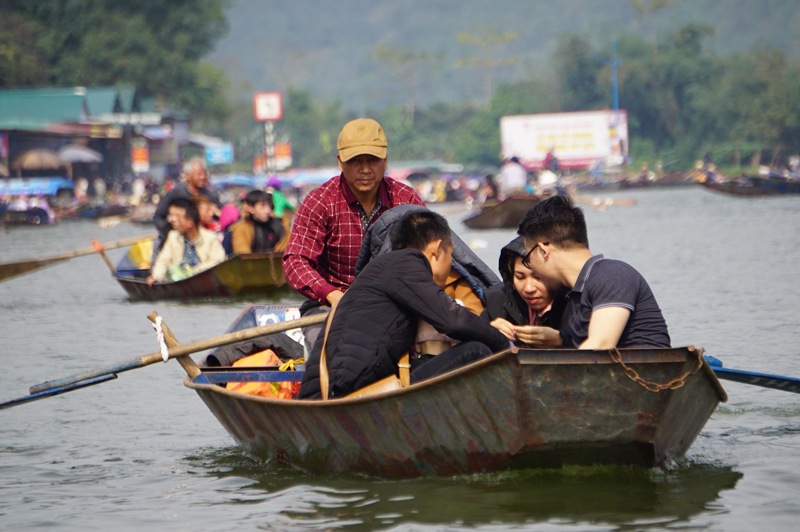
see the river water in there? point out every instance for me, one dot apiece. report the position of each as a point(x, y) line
point(143, 452)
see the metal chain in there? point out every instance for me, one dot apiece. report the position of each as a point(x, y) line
point(674, 384)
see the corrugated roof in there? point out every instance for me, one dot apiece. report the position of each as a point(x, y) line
point(37, 108)
point(127, 96)
point(103, 100)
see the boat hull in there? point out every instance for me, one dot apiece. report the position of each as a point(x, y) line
point(505, 215)
point(774, 185)
point(736, 189)
point(543, 408)
point(257, 274)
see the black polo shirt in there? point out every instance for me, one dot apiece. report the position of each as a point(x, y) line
point(611, 283)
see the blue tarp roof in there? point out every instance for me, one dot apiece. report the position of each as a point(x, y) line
point(233, 180)
point(34, 186)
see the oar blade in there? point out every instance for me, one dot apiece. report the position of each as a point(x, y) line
point(56, 391)
point(765, 380)
point(15, 269)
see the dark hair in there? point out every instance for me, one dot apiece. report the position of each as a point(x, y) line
point(257, 196)
point(419, 228)
point(555, 220)
point(189, 207)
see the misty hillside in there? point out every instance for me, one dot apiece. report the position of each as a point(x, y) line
point(330, 47)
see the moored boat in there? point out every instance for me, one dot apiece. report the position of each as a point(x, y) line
point(737, 188)
point(505, 215)
point(534, 408)
point(256, 274)
point(776, 185)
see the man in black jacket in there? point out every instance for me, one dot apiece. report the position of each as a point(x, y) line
point(376, 321)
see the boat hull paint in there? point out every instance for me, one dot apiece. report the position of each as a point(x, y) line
point(505, 215)
point(544, 408)
point(775, 185)
point(735, 189)
point(239, 276)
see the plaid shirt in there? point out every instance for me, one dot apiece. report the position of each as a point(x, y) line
point(327, 234)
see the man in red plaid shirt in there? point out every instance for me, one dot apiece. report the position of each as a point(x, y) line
point(320, 258)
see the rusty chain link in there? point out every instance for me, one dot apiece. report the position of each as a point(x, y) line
point(674, 384)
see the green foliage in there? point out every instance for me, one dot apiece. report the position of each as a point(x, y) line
point(153, 45)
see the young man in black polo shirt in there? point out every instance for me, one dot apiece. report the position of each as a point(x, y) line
point(610, 304)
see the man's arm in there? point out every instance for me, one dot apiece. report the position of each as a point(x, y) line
point(241, 239)
point(166, 257)
point(306, 244)
point(412, 287)
point(605, 327)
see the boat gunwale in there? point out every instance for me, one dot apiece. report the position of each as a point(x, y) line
point(470, 369)
point(249, 256)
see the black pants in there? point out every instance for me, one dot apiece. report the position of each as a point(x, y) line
point(455, 357)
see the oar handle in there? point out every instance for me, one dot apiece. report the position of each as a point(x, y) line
point(186, 349)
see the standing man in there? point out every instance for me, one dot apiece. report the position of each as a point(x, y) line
point(609, 303)
point(195, 183)
point(321, 256)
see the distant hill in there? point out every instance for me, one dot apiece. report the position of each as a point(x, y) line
point(328, 46)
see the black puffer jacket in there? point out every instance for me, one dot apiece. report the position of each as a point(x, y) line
point(503, 301)
point(377, 242)
point(376, 323)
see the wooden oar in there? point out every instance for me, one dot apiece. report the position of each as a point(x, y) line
point(765, 380)
point(106, 373)
point(13, 269)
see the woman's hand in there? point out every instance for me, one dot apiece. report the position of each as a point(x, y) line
point(505, 327)
point(540, 337)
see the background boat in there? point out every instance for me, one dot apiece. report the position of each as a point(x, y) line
point(737, 188)
point(776, 185)
point(505, 215)
point(256, 274)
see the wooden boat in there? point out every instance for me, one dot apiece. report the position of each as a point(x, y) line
point(256, 274)
point(536, 408)
point(35, 216)
point(737, 188)
point(776, 185)
point(505, 215)
point(88, 212)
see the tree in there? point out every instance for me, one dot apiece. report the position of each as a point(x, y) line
point(577, 72)
point(153, 45)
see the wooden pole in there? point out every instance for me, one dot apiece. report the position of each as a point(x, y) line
point(185, 361)
point(13, 269)
point(186, 349)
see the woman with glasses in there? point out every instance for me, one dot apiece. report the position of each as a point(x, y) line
point(523, 308)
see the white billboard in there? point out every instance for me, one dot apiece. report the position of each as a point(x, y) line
point(577, 140)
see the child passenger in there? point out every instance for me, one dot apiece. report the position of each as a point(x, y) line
point(258, 231)
point(375, 323)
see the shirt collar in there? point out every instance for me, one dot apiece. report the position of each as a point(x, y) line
point(584, 275)
point(350, 198)
point(533, 315)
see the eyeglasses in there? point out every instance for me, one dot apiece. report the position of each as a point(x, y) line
point(526, 257)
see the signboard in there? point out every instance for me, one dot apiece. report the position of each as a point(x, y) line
point(219, 153)
point(140, 156)
point(283, 155)
point(578, 140)
point(267, 106)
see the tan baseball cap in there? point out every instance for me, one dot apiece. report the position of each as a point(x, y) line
point(361, 136)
